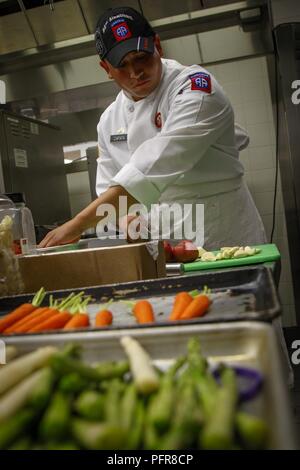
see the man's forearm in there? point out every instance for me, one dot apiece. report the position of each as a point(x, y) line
point(88, 217)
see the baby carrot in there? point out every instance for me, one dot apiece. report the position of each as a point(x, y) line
point(57, 321)
point(15, 326)
point(22, 311)
point(78, 320)
point(104, 318)
point(143, 312)
point(196, 308)
point(182, 300)
point(53, 318)
point(43, 315)
point(15, 315)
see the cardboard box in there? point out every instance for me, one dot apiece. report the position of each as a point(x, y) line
point(92, 267)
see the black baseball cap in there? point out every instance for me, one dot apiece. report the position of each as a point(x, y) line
point(122, 30)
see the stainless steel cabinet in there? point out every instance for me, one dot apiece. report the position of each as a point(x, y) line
point(32, 162)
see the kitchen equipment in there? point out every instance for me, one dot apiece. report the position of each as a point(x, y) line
point(249, 344)
point(240, 294)
point(24, 232)
point(268, 252)
point(6, 203)
point(32, 162)
point(173, 269)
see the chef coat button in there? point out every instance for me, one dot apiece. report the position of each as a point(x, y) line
point(131, 109)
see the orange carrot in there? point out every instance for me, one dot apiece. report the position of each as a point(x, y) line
point(19, 324)
point(104, 318)
point(15, 315)
point(22, 311)
point(78, 320)
point(143, 312)
point(182, 300)
point(53, 323)
point(43, 315)
point(196, 308)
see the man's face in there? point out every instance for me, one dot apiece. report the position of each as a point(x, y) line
point(139, 72)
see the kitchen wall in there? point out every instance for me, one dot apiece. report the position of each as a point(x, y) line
point(79, 191)
point(247, 84)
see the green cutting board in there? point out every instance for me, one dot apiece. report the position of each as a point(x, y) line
point(269, 252)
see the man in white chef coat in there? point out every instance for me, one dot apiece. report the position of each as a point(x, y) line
point(169, 137)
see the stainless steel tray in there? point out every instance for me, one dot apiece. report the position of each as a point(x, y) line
point(250, 344)
point(240, 294)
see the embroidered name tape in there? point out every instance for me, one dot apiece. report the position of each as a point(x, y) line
point(201, 81)
point(118, 138)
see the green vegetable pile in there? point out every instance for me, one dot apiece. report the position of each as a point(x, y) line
point(54, 400)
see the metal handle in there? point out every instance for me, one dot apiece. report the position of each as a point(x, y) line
point(172, 269)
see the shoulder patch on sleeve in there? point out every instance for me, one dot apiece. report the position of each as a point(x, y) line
point(200, 81)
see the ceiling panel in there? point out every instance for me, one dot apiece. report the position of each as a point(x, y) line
point(156, 9)
point(93, 9)
point(15, 33)
point(64, 22)
point(217, 3)
point(238, 44)
point(73, 20)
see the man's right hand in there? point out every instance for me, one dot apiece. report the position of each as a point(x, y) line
point(66, 233)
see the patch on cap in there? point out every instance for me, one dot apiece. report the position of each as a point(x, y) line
point(201, 81)
point(121, 31)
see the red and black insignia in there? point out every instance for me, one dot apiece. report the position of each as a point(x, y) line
point(158, 121)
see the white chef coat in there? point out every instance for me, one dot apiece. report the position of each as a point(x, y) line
point(179, 144)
